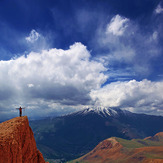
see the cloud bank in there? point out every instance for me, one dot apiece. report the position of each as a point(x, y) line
point(58, 80)
point(144, 96)
point(53, 76)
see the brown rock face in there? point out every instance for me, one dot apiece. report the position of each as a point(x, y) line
point(17, 143)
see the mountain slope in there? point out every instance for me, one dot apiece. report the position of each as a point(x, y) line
point(124, 151)
point(73, 135)
point(17, 143)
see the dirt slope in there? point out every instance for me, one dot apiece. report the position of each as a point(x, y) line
point(116, 150)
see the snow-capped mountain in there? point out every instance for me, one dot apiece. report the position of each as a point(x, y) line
point(103, 112)
point(75, 134)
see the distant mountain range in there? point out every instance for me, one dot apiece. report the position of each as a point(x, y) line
point(117, 150)
point(73, 135)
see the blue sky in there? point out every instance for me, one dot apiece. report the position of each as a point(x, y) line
point(58, 56)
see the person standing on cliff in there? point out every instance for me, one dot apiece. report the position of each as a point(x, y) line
point(20, 111)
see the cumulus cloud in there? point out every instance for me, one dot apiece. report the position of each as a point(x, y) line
point(159, 9)
point(59, 76)
point(33, 36)
point(58, 80)
point(128, 46)
point(144, 96)
point(117, 25)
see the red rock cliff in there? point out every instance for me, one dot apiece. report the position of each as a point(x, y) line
point(17, 143)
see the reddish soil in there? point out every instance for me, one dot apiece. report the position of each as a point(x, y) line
point(105, 151)
point(157, 137)
point(111, 151)
point(17, 143)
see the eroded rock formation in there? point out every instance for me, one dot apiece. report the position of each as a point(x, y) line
point(17, 143)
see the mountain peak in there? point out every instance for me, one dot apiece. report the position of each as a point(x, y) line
point(103, 111)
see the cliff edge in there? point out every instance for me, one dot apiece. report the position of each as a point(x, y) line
point(17, 142)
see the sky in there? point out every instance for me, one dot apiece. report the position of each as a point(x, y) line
point(60, 56)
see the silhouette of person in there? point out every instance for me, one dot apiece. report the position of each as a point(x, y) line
point(20, 111)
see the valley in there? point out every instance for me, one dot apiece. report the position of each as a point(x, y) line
point(71, 136)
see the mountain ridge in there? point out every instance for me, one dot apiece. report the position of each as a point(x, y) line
point(116, 150)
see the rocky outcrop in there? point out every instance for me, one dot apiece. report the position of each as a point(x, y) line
point(17, 143)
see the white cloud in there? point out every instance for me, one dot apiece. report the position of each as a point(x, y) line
point(58, 79)
point(117, 25)
point(144, 96)
point(159, 9)
point(155, 35)
point(30, 85)
point(33, 36)
point(59, 76)
point(127, 44)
